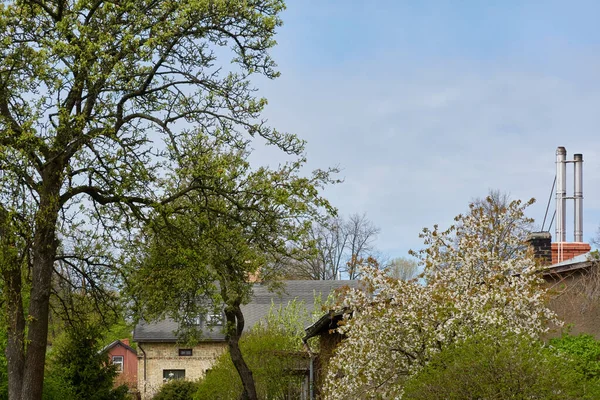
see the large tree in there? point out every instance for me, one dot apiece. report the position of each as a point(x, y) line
point(470, 288)
point(201, 253)
point(97, 99)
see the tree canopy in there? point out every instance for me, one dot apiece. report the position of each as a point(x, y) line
point(99, 100)
point(201, 250)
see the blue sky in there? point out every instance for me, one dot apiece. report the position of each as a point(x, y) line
point(427, 105)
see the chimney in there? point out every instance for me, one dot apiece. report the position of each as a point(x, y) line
point(541, 244)
point(578, 196)
point(561, 249)
point(125, 341)
point(561, 194)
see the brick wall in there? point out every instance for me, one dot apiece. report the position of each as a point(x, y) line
point(165, 356)
point(569, 250)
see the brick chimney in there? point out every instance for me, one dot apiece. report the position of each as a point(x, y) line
point(541, 244)
point(125, 342)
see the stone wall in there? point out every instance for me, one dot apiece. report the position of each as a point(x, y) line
point(165, 356)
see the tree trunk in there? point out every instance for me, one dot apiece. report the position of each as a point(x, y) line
point(235, 324)
point(44, 254)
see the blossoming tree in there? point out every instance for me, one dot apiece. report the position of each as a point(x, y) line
point(470, 285)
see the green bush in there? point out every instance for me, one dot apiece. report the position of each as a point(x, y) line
point(500, 367)
point(585, 351)
point(178, 389)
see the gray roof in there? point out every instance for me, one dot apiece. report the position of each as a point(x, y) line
point(578, 262)
point(258, 308)
point(116, 343)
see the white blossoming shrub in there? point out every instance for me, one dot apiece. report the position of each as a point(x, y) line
point(478, 277)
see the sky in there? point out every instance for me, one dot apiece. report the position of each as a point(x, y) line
point(427, 105)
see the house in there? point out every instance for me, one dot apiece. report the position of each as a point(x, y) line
point(573, 282)
point(162, 356)
point(125, 358)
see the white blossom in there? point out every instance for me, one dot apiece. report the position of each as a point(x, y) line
point(477, 279)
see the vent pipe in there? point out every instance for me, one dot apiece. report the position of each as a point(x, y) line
point(578, 196)
point(561, 194)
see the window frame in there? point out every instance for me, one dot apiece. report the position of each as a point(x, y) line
point(183, 352)
point(166, 372)
point(120, 364)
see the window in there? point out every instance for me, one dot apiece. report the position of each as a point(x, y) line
point(171, 374)
point(214, 319)
point(185, 352)
point(118, 362)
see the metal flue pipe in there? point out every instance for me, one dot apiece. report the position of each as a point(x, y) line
point(561, 194)
point(578, 196)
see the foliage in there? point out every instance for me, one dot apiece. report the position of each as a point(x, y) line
point(270, 349)
point(55, 387)
point(198, 252)
point(585, 351)
point(78, 367)
point(98, 101)
point(500, 366)
point(121, 329)
point(3, 365)
point(472, 286)
point(223, 236)
point(177, 389)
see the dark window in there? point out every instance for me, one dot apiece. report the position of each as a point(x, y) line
point(185, 352)
point(170, 374)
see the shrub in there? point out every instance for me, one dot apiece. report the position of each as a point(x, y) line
point(178, 389)
point(585, 351)
point(500, 367)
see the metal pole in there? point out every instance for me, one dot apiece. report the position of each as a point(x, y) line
point(561, 193)
point(578, 196)
point(311, 372)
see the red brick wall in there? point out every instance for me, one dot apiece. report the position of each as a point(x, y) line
point(569, 250)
